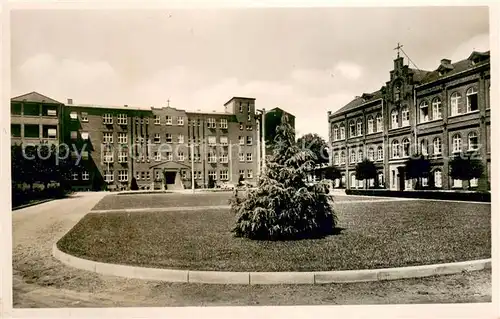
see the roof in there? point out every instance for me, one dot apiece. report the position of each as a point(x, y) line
point(115, 107)
point(358, 101)
point(239, 97)
point(34, 97)
point(277, 109)
point(208, 113)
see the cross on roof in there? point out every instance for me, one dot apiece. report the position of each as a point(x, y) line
point(399, 47)
point(168, 102)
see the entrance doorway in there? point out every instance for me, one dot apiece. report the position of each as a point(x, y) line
point(401, 178)
point(170, 178)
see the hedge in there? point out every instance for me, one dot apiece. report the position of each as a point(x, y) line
point(443, 195)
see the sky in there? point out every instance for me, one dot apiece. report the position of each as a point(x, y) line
point(306, 61)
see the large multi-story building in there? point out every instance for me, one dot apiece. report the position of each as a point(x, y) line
point(163, 148)
point(437, 114)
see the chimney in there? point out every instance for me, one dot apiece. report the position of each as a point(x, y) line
point(126, 105)
point(70, 101)
point(445, 61)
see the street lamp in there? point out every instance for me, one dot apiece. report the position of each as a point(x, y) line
point(263, 134)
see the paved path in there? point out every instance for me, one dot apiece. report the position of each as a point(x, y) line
point(41, 281)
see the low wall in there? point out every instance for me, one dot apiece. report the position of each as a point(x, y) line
point(424, 194)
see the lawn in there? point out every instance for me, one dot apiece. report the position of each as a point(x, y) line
point(374, 235)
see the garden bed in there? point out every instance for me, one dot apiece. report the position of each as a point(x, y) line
point(375, 235)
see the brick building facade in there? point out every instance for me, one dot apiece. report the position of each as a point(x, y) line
point(437, 114)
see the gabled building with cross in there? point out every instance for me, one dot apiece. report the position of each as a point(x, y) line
point(438, 114)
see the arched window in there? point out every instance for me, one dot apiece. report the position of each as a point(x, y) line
point(360, 156)
point(438, 178)
point(395, 149)
point(379, 123)
point(424, 147)
point(455, 103)
point(342, 131)
point(342, 157)
point(359, 127)
point(424, 112)
point(437, 111)
point(437, 146)
point(394, 118)
point(336, 158)
point(380, 153)
point(371, 128)
point(405, 116)
point(352, 129)
point(397, 92)
point(406, 147)
point(335, 132)
point(473, 141)
point(353, 156)
point(472, 104)
point(371, 154)
point(457, 143)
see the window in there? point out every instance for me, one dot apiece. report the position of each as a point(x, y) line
point(212, 158)
point(360, 156)
point(157, 156)
point(352, 129)
point(138, 175)
point(457, 143)
point(397, 92)
point(211, 122)
point(359, 128)
point(74, 135)
point(122, 138)
point(157, 120)
point(437, 146)
point(394, 118)
point(108, 157)
point(353, 156)
point(379, 123)
point(224, 175)
point(380, 153)
point(336, 159)
point(122, 119)
point(156, 139)
point(168, 138)
point(180, 120)
point(342, 157)
point(199, 175)
point(184, 173)
point(249, 140)
point(107, 137)
point(241, 126)
point(85, 135)
point(168, 119)
point(472, 104)
point(249, 127)
point(169, 156)
point(249, 117)
point(180, 139)
point(473, 182)
point(157, 176)
point(457, 183)
point(370, 125)
point(85, 176)
point(85, 154)
point(455, 100)
point(123, 176)
point(73, 116)
point(180, 156)
point(335, 132)
point(213, 175)
point(405, 114)
point(107, 118)
point(84, 117)
point(223, 123)
point(424, 112)
point(249, 173)
point(224, 158)
point(424, 147)
point(473, 141)
point(406, 147)
point(224, 141)
point(52, 133)
point(122, 157)
point(212, 140)
point(108, 176)
point(242, 157)
point(395, 149)
point(241, 140)
point(342, 131)
point(75, 176)
point(241, 108)
point(437, 110)
point(249, 157)
point(241, 172)
point(51, 112)
point(371, 154)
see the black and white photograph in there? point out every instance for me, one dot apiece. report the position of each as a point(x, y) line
point(236, 157)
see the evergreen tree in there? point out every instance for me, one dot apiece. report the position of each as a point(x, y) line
point(418, 168)
point(283, 206)
point(366, 170)
point(465, 168)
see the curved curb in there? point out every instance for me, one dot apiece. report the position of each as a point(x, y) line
point(268, 278)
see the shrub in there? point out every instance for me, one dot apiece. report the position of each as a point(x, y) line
point(366, 170)
point(133, 184)
point(211, 182)
point(284, 207)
